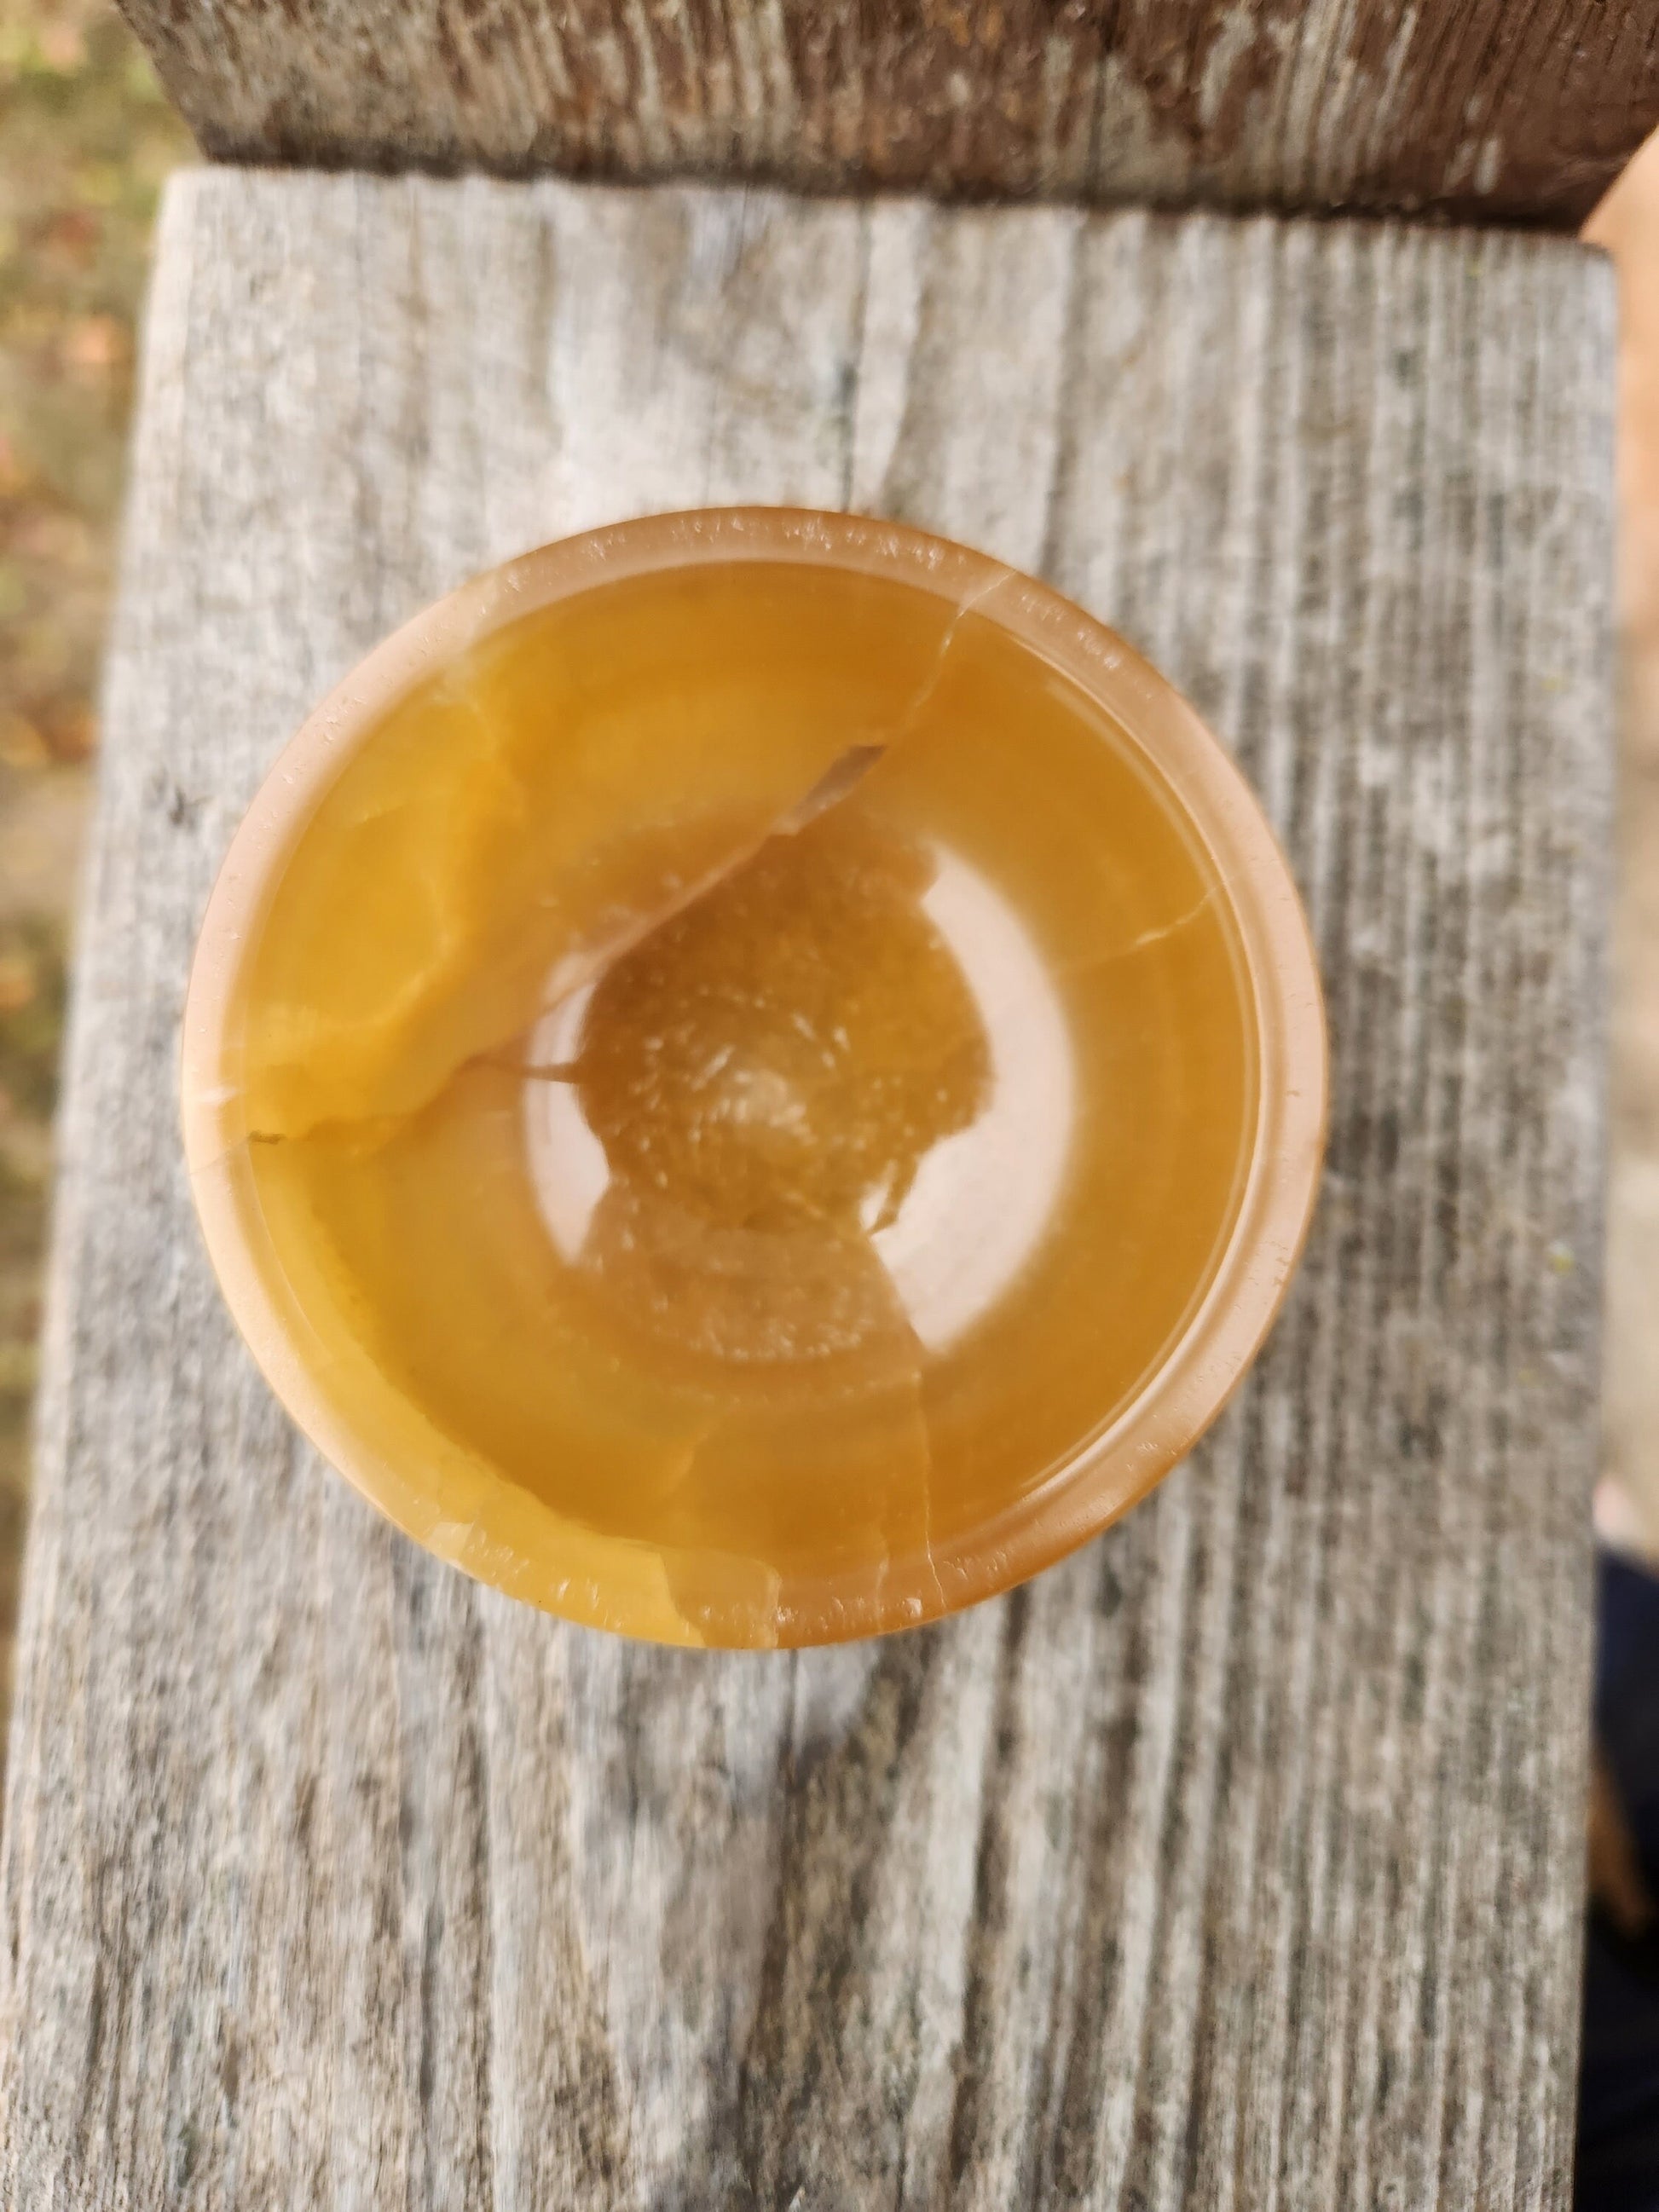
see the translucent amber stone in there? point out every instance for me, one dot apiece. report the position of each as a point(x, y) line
point(723, 1072)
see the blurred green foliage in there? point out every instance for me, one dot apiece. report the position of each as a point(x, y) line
point(86, 139)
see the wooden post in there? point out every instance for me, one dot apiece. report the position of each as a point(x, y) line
point(1238, 1860)
point(1484, 109)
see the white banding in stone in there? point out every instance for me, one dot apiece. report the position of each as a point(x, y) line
point(981, 1199)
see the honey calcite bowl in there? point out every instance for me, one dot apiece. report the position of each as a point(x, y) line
point(754, 1078)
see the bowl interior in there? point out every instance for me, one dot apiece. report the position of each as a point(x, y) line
point(752, 1079)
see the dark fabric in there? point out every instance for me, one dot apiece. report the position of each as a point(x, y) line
point(1619, 2087)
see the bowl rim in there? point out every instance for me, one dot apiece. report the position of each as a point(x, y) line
point(1215, 1346)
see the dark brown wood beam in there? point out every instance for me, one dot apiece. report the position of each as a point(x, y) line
point(1488, 110)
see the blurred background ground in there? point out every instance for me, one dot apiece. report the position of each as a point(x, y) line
point(85, 140)
point(1627, 225)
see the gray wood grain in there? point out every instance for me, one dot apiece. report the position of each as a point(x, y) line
point(1235, 1861)
point(1487, 109)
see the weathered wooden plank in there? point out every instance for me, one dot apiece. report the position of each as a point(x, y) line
point(1235, 1861)
point(1477, 108)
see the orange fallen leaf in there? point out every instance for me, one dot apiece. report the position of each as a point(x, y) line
point(63, 47)
point(21, 745)
point(73, 731)
point(72, 232)
point(17, 981)
point(93, 343)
